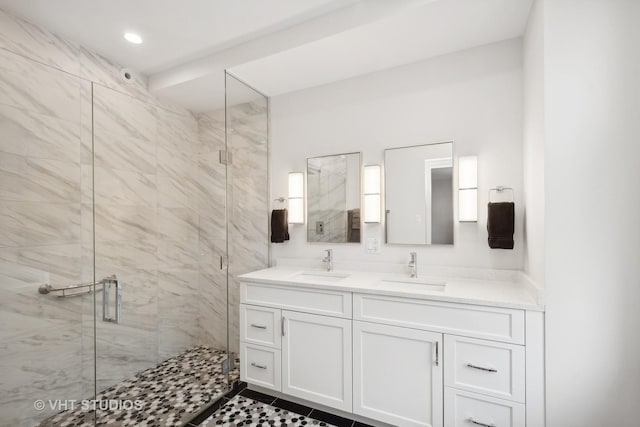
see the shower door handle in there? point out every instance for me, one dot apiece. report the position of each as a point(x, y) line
point(106, 287)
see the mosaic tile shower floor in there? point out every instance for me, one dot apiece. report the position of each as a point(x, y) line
point(171, 393)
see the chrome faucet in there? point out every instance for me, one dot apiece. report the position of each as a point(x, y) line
point(328, 259)
point(413, 264)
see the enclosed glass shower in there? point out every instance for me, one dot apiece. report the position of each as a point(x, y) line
point(125, 222)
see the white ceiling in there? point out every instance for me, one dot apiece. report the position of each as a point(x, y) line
point(174, 31)
point(417, 33)
point(276, 46)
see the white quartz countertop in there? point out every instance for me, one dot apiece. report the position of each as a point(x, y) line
point(495, 293)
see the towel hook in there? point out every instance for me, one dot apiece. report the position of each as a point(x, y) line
point(501, 189)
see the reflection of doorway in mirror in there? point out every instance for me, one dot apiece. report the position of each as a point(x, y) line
point(438, 175)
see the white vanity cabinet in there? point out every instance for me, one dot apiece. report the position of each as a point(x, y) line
point(396, 360)
point(397, 374)
point(476, 370)
point(316, 358)
point(297, 341)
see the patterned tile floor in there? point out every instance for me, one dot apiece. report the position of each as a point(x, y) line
point(251, 409)
point(171, 394)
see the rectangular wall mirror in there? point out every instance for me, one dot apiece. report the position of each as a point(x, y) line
point(419, 194)
point(333, 198)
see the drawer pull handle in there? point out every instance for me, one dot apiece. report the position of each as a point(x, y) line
point(471, 365)
point(255, 365)
point(478, 423)
point(253, 325)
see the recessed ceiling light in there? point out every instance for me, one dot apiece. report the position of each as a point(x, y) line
point(133, 38)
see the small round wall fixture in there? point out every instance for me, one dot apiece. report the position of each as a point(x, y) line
point(126, 75)
point(133, 38)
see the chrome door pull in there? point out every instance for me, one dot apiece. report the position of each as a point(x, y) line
point(471, 365)
point(282, 325)
point(106, 287)
point(478, 423)
point(255, 365)
point(253, 325)
point(437, 355)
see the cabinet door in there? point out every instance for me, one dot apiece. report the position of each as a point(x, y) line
point(316, 359)
point(397, 374)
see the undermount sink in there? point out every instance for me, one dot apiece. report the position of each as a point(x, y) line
point(420, 284)
point(323, 276)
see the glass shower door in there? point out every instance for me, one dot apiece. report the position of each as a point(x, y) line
point(46, 240)
point(247, 148)
point(117, 194)
point(160, 229)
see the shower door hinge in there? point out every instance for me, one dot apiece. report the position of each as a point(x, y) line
point(227, 364)
point(225, 157)
point(224, 261)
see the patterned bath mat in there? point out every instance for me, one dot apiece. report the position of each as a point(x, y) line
point(245, 412)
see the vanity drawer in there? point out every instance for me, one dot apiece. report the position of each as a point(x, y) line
point(260, 325)
point(499, 324)
point(328, 303)
point(260, 366)
point(486, 367)
point(465, 409)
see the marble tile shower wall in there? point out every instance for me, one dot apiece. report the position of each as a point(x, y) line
point(248, 199)
point(159, 221)
point(146, 231)
point(212, 309)
point(248, 193)
point(41, 233)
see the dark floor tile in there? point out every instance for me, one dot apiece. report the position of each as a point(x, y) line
point(330, 418)
point(359, 424)
point(239, 386)
point(206, 413)
point(255, 395)
point(292, 407)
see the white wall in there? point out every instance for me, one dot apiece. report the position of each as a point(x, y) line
point(592, 227)
point(533, 143)
point(472, 97)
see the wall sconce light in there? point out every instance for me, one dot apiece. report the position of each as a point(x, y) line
point(372, 206)
point(296, 198)
point(468, 189)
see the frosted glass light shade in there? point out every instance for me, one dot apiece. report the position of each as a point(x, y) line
point(372, 179)
point(372, 208)
point(468, 189)
point(467, 172)
point(372, 193)
point(468, 205)
point(296, 198)
point(296, 211)
point(296, 185)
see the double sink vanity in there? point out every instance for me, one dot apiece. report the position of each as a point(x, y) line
point(385, 343)
point(431, 350)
